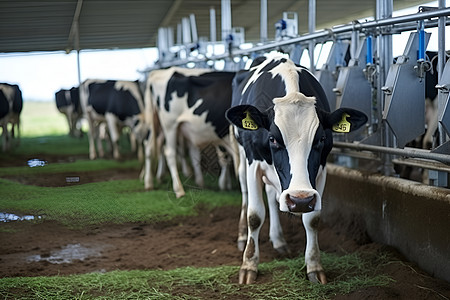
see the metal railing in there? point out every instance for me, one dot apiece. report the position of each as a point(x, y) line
point(380, 27)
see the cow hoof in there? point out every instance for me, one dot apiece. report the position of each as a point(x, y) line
point(317, 277)
point(179, 194)
point(283, 250)
point(241, 244)
point(247, 276)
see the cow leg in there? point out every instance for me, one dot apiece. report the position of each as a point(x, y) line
point(170, 152)
point(311, 223)
point(5, 137)
point(112, 122)
point(148, 176)
point(224, 178)
point(161, 170)
point(242, 172)
point(312, 253)
point(92, 137)
point(101, 135)
point(185, 168)
point(255, 218)
point(195, 155)
point(275, 230)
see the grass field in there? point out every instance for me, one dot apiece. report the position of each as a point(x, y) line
point(42, 119)
point(45, 131)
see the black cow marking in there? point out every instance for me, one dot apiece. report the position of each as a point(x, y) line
point(254, 222)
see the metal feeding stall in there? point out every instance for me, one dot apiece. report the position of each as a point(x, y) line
point(360, 72)
point(391, 94)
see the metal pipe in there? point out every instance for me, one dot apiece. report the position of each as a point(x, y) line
point(324, 34)
point(441, 63)
point(408, 152)
point(226, 18)
point(212, 25)
point(263, 23)
point(312, 29)
point(193, 28)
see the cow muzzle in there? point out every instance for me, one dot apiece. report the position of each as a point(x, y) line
point(300, 202)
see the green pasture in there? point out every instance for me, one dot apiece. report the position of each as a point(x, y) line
point(126, 201)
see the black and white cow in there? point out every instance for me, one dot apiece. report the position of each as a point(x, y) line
point(188, 104)
point(284, 128)
point(68, 103)
point(11, 103)
point(118, 103)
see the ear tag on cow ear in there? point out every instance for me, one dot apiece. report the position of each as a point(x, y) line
point(343, 125)
point(248, 122)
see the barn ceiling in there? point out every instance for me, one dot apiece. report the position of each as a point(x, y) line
point(47, 25)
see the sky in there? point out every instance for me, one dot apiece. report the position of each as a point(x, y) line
point(41, 74)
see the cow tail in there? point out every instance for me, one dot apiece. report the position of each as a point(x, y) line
point(235, 149)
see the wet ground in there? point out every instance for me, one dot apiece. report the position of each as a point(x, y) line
point(30, 248)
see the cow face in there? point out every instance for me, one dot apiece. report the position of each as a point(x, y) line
point(299, 136)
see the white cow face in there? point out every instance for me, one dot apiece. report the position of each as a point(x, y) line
point(299, 136)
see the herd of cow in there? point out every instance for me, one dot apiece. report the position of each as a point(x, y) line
point(273, 120)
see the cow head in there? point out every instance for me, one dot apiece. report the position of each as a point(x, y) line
point(299, 135)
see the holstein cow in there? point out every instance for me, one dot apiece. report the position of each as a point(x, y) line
point(284, 129)
point(118, 103)
point(68, 103)
point(190, 103)
point(11, 104)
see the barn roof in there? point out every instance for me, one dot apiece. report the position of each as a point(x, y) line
point(48, 25)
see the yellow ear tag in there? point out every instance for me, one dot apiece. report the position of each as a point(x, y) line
point(248, 122)
point(343, 125)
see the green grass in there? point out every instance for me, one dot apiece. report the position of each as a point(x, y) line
point(106, 202)
point(288, 282)
point(42, 119)
point(76, 166)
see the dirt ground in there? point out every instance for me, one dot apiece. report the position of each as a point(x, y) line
point(208, 239)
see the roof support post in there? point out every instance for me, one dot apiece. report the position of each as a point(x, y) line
point(226, 19)
point(74, 36)
point(441, 63)
point(312, 29)
point(384, 49)
point(212, 24)
point(263, 23)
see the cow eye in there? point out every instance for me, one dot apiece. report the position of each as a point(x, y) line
point(323, 138)
point(272, 139)
point(273, 142)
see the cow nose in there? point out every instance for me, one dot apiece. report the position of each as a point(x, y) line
point(301, 203)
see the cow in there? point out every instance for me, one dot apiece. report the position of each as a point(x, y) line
point(118, 103)
point(11, 103)
point(68, 103)
point(283, 126)
point(187, 104)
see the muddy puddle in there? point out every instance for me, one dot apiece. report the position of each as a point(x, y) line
point(9, 217)
point(68, 254)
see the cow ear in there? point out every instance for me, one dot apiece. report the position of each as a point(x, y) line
point(247, 117)
point(344, 120)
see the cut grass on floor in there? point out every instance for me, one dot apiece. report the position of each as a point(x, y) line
point(288, 282)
